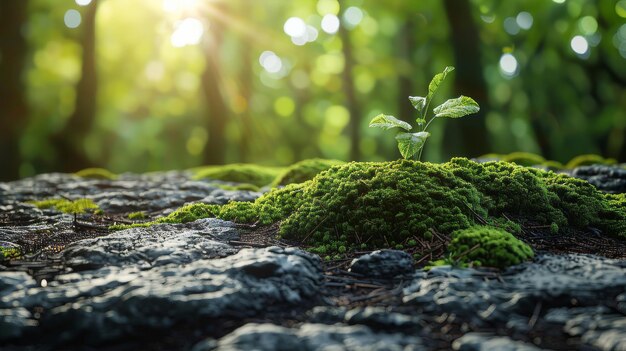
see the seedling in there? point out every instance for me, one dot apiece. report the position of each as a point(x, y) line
point(410, 144)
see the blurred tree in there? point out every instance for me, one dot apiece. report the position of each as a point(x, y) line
point(70, 141)
point(13, 108)
point(470, 132)
point(351, 99)
point(214, 95)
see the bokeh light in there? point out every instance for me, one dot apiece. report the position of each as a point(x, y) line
point(72, 19)
point(270, 62)
point(83, 2)
point(579, 45)
point(353, 16)
point(508, 65)
point(524, 20)
point(330, 24)
point(188, 32)
point(295, 27)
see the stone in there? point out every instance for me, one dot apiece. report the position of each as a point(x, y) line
point(383, 264)
point(488, 342)
point(611, 179)
point(313, 337)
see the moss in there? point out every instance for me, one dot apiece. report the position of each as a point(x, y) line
point(524, 158)
point(9, 253)
point(304, 170)
point(241, 186)
point(137, 215)
point(67, 206)
point(590, 159)
point(488, 246)
point(240, 173)
point(387, 204)
point(96, 173)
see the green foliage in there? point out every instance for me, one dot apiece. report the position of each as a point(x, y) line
point(67, 206)
point(410, 144)
point(304, 170)
point(96, 173)
point(137, 215)
point(240, 186)
point(241, 173)
point(488, 246)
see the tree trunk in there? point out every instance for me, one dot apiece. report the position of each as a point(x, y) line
point(217, 116)
point(351, 100)
point(70, 142)
point(406, 46)
point(469, 131)
point(13, 107)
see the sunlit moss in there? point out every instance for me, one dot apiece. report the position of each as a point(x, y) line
point(240, 173)
point(96, 173)
point(304, 170)
point(523, 158)
point(240, 186)
point(488, 246)
point(137, 215)
point(390, 204)
point(67, 206)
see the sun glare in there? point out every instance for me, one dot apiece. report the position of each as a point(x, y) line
point(180, 6)
point(188, 32)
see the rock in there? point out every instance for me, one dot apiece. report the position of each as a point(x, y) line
point(310, 337)
point(488, 342)
point(611, 179)
point(380, 318)
point(157, 245)
point(118, 303)
point(597, 326)
point(482, 299)
point(383, 264)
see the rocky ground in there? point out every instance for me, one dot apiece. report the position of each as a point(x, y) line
point(217, 285)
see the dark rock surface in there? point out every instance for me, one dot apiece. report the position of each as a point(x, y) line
point(611, 179)
point(383, 263)
point(205, 286)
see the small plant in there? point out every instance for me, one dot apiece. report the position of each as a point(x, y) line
point(410, 144)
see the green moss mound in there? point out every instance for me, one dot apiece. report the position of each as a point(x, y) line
point(67, 206)
point(96, 173)
point(240, 173)
point(304, 170)
point(488, 246)
point(376, 205)
point(524, 159)
point(590, 159)
point(137, 215)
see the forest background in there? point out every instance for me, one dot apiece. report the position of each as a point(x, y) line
point(146, 85)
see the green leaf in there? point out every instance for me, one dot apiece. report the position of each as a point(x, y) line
point(410, 143)
point(455, 108)
point(387, 122)
point(437, 79)
point(418, 102)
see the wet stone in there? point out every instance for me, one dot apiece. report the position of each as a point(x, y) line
point(116, 302)
point(157, 245)
point(486, 299)
point(598, 326)
point(383, 264)
point(488, 342)
point(310, 337)
point(611, 179)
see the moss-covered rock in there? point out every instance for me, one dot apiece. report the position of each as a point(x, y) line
point(589, 159)
point(96, 173)
point(240, 173)
point(9, 253)
point(67, 206)
point(524, 159)
point(391, 203)
point(304, 170)
point(488, 246)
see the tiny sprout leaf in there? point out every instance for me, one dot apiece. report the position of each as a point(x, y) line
point(410, 143)
point(420, 121)
point(387, 122)
point(418, 102)
point(436, 81)
point(455, 108)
